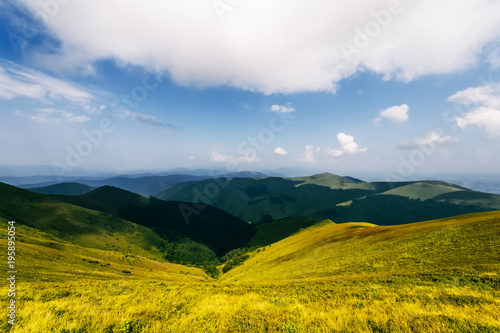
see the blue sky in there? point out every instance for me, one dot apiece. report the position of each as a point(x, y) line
point(396, 88)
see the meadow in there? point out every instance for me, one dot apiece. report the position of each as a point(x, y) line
point(430, 303)
point(435, 276)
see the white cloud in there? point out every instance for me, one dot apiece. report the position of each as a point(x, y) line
point(217, 157)
point(347, 146)
point(485, 104)
point(308, 155)
point(487, 95)
point(19, 81)
point(433, 138)
point(53, 116)
point(280, 151)
point(485, 118)
point(397, 113)
point(284, 46)
point(282, 108)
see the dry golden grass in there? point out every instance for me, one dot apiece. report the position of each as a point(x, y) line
point(436, 276)
point(356, 305)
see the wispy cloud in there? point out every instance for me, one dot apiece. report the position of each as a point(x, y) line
point(217, 157)
point(347, 146)
point(19, 81)
point(144, 119)
point(52, 116)
point(432, 138)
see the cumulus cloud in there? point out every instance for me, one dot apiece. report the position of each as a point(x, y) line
point(347, 146)
point(280, 151)
point(308, 156)
point(53, 116)
point(285, 46)
point(397, 114)
point(485, 104)
point(20, 81)
point(282, 108)
point(433, 138)
point(217, 157)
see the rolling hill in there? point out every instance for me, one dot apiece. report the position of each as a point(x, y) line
point(327, 196)
point(462, 245)
point(209, 225)
point(77, 225)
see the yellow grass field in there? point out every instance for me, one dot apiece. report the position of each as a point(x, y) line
point(436, 276)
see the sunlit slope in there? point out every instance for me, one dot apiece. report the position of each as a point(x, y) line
point(43, 257)
point(467, 244)
point(424, 190)
point(77, 225)
point(332, 181)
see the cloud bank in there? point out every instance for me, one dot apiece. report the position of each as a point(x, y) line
point(283, 46)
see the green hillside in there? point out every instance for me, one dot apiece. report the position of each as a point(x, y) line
point(460, 246)
point(42, 256)
point(77, 225)
point(327, 196)
point(209, 225)
point(424, 190)
point(63, 188)
point(263, 200)
point(332, 181)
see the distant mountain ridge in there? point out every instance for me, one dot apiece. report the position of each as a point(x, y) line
point(328, 196)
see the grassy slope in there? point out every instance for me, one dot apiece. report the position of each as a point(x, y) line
point(467, 243)
point(41, 256)
point(424, 190)
point(78, 225)
point(442, 277)
point(332, 181)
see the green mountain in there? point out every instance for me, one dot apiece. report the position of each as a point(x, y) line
point(63, 188)
point(206, 224)
point(327, 196)
point(77, 225)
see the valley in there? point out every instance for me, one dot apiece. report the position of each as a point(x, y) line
point(105, 259)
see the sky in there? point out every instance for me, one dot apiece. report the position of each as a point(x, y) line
point(397, 88)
